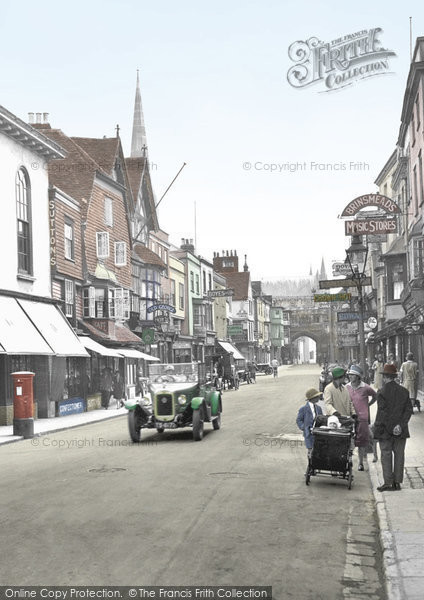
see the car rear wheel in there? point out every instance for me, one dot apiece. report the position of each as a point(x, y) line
point(134, 426)
point(216, 423)
point(198, 425)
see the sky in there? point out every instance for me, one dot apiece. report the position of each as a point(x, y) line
point(269, 167)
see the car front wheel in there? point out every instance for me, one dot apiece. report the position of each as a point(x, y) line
point(134, 426)
point(198, 425)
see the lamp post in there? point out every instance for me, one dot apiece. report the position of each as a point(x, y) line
point(357, 255)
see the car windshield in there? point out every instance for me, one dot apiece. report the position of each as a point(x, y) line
point(178, 372)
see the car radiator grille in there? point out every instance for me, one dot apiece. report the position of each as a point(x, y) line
point(164, 405)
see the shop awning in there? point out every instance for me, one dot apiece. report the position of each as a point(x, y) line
point(94, 346)
point(17, 334)
point(230, 348)
point(54, 328)
point(131, 353)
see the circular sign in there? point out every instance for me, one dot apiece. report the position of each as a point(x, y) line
point(372, 322)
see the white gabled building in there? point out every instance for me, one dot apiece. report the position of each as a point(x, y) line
point(33, 331)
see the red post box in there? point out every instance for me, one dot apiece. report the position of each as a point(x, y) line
point(23, 404)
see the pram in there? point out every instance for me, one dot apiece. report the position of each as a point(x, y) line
point(332, 450)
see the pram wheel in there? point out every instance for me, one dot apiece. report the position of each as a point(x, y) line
point(308, 474)
point(349, 477)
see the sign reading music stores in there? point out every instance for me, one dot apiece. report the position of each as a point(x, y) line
point(370, 226)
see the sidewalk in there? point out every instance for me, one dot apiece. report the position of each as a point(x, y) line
point(401, 518)
point(43, 426)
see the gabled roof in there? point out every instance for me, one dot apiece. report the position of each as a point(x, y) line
point(136, 166)
point(74, 174)
point(103, 150)
point(240, 283)
point(148, 257)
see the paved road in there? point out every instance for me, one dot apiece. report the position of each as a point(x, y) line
point(86, 506)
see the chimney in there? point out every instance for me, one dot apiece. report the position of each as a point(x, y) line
point(38, 117)
point(31, 118)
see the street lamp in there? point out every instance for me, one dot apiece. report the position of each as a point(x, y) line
point(357, 255)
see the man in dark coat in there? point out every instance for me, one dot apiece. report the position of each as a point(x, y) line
point(394, 410)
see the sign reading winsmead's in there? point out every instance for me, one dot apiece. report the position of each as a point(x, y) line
point(363, 226)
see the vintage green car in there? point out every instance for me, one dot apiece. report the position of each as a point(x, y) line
point(179, 395)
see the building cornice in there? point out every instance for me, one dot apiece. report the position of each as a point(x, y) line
point(31, 138)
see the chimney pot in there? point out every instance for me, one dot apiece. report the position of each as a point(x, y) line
point(31, 118)
point(38, 116)
point(45, 117)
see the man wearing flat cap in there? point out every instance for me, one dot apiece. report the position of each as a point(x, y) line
point(394, 409)
point(306, 416)
point(336, 397)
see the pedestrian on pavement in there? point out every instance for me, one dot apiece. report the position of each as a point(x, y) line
point(377, 367)
point(336, 397)
point(306, 417)
point(409, 377)
point(274, 365)
point(118, 389)
point(106, 386)
point(391, 360)
point(394, 410)
point(360, 392)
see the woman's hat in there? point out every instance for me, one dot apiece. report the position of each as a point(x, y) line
point(312, 393)
point(355, 370)
point(389, 370)
point(338, 372)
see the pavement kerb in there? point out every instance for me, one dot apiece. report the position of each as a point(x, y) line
point(64, 428)
point(392, 575)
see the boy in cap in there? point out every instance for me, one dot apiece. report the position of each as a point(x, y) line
point(306, 416)
point(336, 397)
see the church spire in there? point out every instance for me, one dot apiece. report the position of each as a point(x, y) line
point(323, 274)
point(138, 140)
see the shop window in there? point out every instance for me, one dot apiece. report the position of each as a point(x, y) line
point(102, 239)
point(108, 212)
point(69, 239)
point(418, 255)
point(395, 280)
point(120, 254)
point(173, 299)
point(69, 298)
point(23, 215)
point(89, 302)
point(181, 296)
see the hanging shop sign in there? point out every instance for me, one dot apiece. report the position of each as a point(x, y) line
point(387, 204)
point(219, 293)
point(148, 336)
point(167, 307)
point(342, 297)
point(342, 268)
point(352, 316)
point(344, 283)
point(370, 226)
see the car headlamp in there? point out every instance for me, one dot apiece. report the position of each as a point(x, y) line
point(145, 401)
point(182, 399)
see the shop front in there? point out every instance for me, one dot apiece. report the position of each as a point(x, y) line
point(36, 337)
